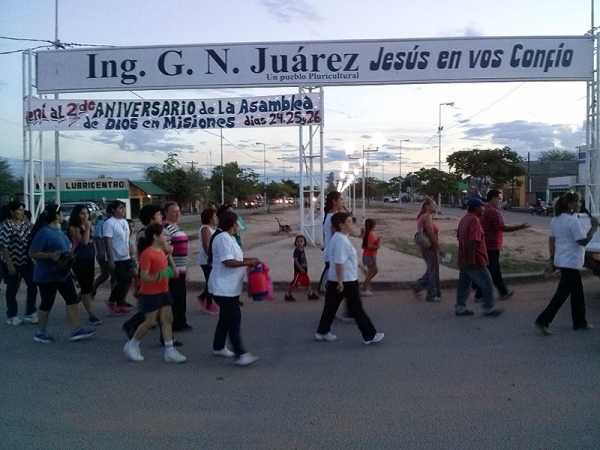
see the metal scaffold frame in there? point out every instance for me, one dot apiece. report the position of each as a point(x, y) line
point(309, 226)
point(33, 161)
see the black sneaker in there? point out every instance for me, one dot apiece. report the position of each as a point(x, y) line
point(466, 312)
point(289, 298)
point(494, 312)
point(313, 296)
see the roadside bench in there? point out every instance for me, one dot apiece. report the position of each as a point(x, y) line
point(283, 226)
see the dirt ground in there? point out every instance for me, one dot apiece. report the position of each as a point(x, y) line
point(396, 228)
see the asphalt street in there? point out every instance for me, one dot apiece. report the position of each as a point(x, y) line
point(436, 381)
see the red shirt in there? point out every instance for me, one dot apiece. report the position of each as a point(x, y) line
point(154, 261)
point(492, 224)
point(372, 239)
point(469, 229)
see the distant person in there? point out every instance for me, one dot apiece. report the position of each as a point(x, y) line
point(48, 243)
point(226, 284)
point(343, 284)
point(14, 239)
point(101, 253)
point(80, 230)
point(431, 255)
point(209, 220)
point(334, 203)
point(493, 231)
point(370, 245)
point(155, 300)
point(567, 242)
point(301, 277)
point(116, 242)
point(178, 240)
point(472, 262)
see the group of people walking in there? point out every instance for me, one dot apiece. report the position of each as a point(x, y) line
point(480, 237)
point(155, 262)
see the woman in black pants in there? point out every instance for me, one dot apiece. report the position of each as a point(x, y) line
point(225, 284)
point(567, 242)
point(343, 283)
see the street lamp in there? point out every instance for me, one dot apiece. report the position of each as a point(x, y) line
point(349, 149)
point(400, 172)
point(264, 171)
point(440, 144)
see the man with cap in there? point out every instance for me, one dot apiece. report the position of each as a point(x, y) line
point(473, 261)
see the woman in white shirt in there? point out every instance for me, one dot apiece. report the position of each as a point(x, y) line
point(226, 284)
point(567, 242)
point(343, 283)
point(333, 204)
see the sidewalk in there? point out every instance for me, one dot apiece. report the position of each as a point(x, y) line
point(396, 270)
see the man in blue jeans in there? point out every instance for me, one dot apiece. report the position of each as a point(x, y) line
point(473, 261)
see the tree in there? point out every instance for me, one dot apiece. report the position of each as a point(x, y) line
point(330, 180)
point(558, 155)
point(184, 186)
point(487, 168)
point(239, 183)
point(9, 185)
point(434, 182)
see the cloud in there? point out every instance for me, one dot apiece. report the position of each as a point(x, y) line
point(290, 11)
point(523, 136)
point(144, 141)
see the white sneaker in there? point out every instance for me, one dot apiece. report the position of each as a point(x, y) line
point(14, 321)
point(377, 338)
point(329, 337)
point(224, 352)
point(132, 352)
point(172, 355)
point(245, 359)
point(31, 318)
point(366, 293)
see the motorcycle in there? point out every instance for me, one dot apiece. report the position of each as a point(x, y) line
point(537, 210)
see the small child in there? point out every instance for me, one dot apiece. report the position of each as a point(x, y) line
point(155, 301)
point(370, 244)
point(300, 271)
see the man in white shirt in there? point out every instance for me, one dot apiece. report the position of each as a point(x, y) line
point(116, 241)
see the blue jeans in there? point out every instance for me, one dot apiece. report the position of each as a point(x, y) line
point(431, 277)
point(482, 278)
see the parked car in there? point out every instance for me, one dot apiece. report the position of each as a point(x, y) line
point(251, 204)
point(67, 208)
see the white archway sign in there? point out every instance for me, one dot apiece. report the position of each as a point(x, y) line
point(310, 66)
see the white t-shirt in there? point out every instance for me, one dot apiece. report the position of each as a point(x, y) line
point(202, 256)
point(567, 230)
point(341, 251)
point(327, 235)
point(118, 231)
point(226, 281)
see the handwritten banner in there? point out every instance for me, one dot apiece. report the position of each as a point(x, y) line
point(245, 112)
point(314, 63)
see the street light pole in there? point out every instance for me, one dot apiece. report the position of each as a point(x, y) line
point(440, 145)
point(264, 171)
point(400, 173)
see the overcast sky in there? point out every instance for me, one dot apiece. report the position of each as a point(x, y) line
point(528, 117)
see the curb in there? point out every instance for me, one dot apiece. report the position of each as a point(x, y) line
point(512, 279)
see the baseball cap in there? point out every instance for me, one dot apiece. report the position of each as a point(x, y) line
point(474, 202)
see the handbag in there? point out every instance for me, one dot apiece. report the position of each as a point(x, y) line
point(422, 240)
point(64, 263)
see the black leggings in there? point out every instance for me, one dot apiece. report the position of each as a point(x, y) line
point(48, 293)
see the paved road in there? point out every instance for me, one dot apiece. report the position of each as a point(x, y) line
point(436, 381)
